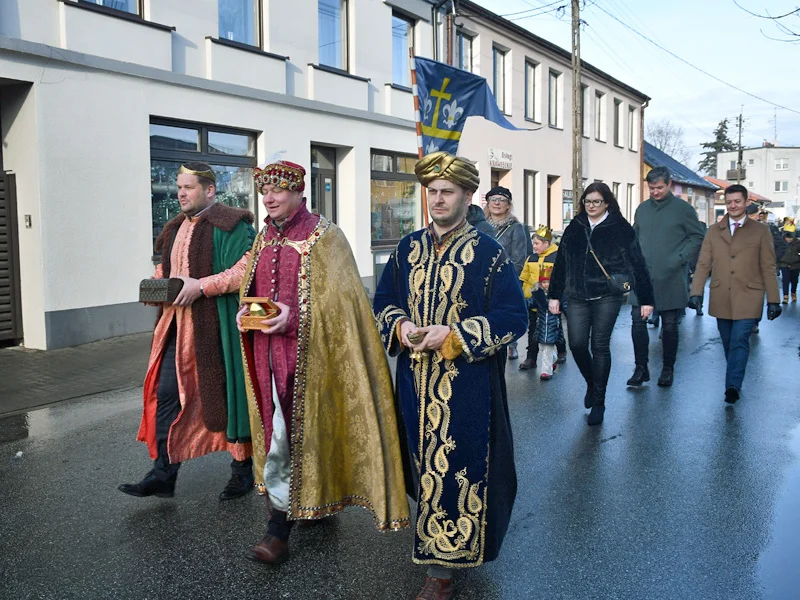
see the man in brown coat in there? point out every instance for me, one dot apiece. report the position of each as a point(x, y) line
point(739, 255)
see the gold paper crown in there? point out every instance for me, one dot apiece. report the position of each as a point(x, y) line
point(544, 232)
point(790, 228)
point(209, 174)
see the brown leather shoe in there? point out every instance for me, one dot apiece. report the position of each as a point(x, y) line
point(270, 551)
point(436, 589)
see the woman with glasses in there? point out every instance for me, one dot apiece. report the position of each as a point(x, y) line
point(512, 235)
point(598, 259)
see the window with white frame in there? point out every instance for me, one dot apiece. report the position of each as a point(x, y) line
point(751, 161)
point(464, 46)
point(586, 124)
point(531, 100)
point(333, 39)
point(529, 210)
point(239, 21)
point(618, 136)
point(751, 184)
point(402, 43)
point(499, 77)
point(629, 200)
point(600, 116)
point(128, 6)
point(782, 164)
point(633, 138)
point(733, 165)
point(555, 96)
point(781, 186)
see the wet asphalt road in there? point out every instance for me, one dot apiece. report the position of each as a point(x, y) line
point(676, 495)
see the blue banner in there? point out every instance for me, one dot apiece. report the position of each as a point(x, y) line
point(447, 96)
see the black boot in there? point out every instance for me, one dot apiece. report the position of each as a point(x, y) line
point(596, 416)
point(241, 481)
point(587, 399)
point(666, 377)
point(151, 485)
point(640, 375)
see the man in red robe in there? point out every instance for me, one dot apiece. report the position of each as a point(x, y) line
point(322, 416)
point(194, 396)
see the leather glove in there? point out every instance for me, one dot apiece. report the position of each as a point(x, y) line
point(695, 302)
point(773, 311)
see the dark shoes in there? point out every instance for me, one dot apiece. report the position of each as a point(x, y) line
point(562, 358)
point(640, 375)
point(528, 363)
point(512, 354)
point(238, 486)
point(149, 486)
point(587, 399)
point(596, 416)
point(666, 377)
point(731, 395)
point(269, 551)
point(436, 589)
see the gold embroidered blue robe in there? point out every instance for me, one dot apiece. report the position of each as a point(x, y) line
point(454, 412)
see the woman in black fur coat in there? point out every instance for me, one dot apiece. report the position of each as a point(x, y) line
point(579, 279)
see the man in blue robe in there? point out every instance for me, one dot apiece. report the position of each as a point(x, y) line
point(448, 303)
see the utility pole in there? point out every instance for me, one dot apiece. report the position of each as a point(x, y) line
point(577, 100)
point(739, 163)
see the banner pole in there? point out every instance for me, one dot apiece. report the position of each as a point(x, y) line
point(418, 119)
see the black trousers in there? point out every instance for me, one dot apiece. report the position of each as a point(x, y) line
point(789, 278)
point(168, 408)
point(590, 323)
point(669, 336)
point(533, 343)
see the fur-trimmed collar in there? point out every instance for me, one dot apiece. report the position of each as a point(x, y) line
point(219, 215)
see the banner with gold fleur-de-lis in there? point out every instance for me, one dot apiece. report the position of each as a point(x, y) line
point(447, 96)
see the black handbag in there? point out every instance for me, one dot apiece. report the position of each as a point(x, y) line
point(619, 284)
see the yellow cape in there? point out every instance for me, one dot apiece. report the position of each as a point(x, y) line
point(345, 448)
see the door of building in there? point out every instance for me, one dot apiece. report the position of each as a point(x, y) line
point(323, 182)
point(10, 305)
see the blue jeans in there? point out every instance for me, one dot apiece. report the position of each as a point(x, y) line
point(736, 343)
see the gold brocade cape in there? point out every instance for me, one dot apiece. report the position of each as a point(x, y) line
point(344, 442)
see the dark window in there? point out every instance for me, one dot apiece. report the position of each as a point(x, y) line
point(499, 77)
point(464, 45)
point(531, 101)
point(394, 197)
point(230, 153)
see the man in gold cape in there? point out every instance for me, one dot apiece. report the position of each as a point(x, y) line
point(323, 423)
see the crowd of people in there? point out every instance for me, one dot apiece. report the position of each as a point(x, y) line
point(303, 398)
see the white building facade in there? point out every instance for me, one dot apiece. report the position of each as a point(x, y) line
point(101, 100)
point(771, 171)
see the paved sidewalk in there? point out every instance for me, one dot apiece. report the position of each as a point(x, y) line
point(35, 378)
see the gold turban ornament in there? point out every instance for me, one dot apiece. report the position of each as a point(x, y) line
point(441, 165)
point(184, 170)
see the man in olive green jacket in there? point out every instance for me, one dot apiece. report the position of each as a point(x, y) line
point(670, 235)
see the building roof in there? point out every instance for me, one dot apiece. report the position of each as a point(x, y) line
point(471, 9)
point(752, 196)
point(679, 173)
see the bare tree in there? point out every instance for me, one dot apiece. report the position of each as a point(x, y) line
point(668, 138)
point(788, 23)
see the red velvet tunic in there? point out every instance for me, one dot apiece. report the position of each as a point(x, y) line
point(276, 277)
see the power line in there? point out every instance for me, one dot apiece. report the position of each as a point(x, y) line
point(683, 60)
point(535, 8)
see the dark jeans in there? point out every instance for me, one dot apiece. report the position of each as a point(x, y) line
point(736, 343)
point(167, 409)
point(533, 344)
point(669, 336)
point(788, 277)
point(595, 319)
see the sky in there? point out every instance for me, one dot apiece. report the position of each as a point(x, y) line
point(714, 35)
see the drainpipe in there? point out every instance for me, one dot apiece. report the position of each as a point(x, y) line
point(641, 150)
point(435, 20)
